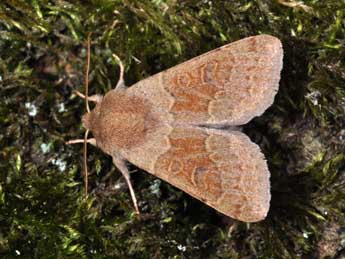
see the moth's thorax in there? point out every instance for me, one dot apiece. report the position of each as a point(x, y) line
point(120, 121)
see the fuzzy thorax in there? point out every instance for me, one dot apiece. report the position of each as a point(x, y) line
point(120, 121)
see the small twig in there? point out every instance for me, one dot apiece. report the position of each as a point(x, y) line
point(294, 4)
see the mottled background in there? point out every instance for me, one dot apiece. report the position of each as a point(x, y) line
point(43, 213)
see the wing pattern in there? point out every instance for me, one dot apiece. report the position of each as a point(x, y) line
point(223, 169)
point(227, 86)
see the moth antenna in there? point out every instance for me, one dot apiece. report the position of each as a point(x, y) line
point(86, 175)
point(121, 82)
point(87, 71)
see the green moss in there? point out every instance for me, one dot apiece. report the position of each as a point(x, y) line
point(43, 213)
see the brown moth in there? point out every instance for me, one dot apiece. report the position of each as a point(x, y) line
point(180, 125)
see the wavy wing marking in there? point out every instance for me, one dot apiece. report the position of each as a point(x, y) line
point(223, 169)
point(229, 85)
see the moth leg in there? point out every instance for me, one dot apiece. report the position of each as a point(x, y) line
point(121, 82)
point(97, 98)
point(121, 165)
point(91, 141)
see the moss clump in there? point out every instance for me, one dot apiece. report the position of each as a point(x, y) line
point(42, 54)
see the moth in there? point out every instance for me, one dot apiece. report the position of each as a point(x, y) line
point(181, 125)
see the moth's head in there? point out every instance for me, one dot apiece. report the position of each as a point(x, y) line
point(92, 122)
point(90, 119)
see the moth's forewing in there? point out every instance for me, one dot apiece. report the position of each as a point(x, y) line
point(227, 86)
point(224, 169)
